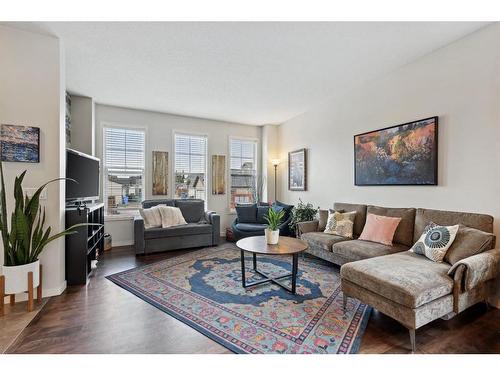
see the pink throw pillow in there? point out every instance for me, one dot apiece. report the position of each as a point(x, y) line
point(380, 229)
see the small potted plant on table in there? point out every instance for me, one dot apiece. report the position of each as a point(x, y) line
point(24, 241)
point(272, 231)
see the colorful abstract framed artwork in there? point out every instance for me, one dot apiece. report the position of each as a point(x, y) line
point(20, 143)
point(218, 174)
point(297, 170)
point(160, 173)
point(405, 154)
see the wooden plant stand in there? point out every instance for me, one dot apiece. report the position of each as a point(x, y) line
point(30, 293)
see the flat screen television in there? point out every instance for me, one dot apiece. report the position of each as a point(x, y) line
point(85, 170)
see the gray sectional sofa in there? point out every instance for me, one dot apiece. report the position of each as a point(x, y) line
point(406, 286)
point(202, 228)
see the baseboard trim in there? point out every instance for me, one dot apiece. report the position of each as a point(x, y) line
point(495, 304)
point(46, 293)
point(122, 243)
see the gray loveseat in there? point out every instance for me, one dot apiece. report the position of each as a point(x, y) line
point(406, 286)
point(202, 228)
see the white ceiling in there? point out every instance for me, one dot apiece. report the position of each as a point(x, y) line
point(252, 73)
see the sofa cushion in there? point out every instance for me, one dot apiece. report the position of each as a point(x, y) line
point(247, 213)
point(286, 207)
point(193, 210)
point(359, 220)
point(180, 230)
point(358, 249)
point(404, 231)
point(468, 242)
point(406, 278)
point(148, 203)
point(250, 227)
point(424, 216)
point(322, 240)
point(261, 211)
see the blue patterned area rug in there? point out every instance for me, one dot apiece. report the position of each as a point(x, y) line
point(203, 289)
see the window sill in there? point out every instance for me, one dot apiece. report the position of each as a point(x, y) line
point(119, 217)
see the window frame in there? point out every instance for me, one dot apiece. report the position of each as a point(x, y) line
point(123, 213)
point(256, 163)
point(174, 157)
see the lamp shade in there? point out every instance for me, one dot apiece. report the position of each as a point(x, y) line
point(275, 162)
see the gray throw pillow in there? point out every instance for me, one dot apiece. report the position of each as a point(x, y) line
point(468, 242)
point(261, 212)
point(247, 213)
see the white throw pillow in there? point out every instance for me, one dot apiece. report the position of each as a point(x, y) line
point(171, 216)
point(151, 216)
point(435, 241)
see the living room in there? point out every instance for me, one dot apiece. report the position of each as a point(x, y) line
point(250, 187)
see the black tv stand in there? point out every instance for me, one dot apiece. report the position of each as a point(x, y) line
point(84, 246)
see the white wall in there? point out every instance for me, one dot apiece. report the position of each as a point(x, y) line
point(270, 151)
point(32, 93)
point(82, 124)
point(159, 137)
point(460, 83)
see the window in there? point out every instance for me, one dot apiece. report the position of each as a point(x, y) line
point(123, 170)
point(190, 166)
point(243, 166)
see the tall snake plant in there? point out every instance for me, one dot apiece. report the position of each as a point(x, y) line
point(27, 237)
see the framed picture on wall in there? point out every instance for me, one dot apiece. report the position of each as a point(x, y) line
point(160, 173)
point(405, 154)
point(218, 174)
point(20, 143)
point(297, 170)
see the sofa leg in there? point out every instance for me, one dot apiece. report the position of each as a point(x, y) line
point(412, 340)
point(344, 303)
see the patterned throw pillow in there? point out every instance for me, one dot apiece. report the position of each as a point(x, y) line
point(340, 223)
point(435, 241)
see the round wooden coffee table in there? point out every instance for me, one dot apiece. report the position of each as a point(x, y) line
point(258, 245)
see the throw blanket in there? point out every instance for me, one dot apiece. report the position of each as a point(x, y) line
point(171, 216)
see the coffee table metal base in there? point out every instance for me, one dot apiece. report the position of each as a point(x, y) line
point(268, 279)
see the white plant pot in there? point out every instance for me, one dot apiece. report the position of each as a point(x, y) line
point(16, 277)
point(272, 236)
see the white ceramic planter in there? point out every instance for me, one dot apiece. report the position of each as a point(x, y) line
point(272, 236)
point(16, 277)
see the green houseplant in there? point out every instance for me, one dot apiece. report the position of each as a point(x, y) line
point(273, 219)
point(302, 212)
point(27, 236)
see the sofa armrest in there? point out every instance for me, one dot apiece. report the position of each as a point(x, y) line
point(213, 218)
point(139, 235)
point(307, 226)
point(470, 272)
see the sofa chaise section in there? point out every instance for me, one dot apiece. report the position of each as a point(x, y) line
point(415, 290)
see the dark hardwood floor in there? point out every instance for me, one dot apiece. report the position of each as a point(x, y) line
point(104, 318)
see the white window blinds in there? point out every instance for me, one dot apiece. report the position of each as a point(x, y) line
point(124, 149)
point(190, 153)
point(123, 169)
point(190, 166)
point(243, 166)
